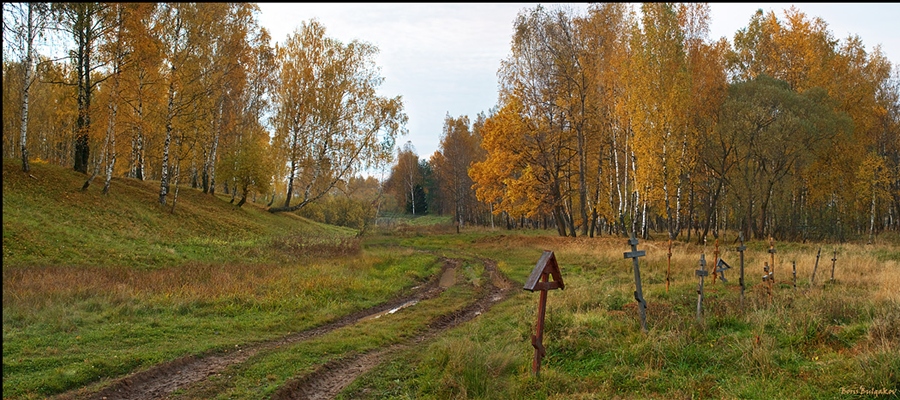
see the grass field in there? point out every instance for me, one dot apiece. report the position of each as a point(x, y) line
point(97, 287)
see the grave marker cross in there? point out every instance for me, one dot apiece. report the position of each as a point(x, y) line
point(702, 273)
point(772, 252)
point(741, 249)
point(721, 267)
point(540, 280)
point(638, 294)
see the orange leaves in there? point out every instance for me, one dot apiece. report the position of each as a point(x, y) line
point(497, 177)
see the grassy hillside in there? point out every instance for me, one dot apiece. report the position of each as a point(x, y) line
point(48, 220)
point(96, 287)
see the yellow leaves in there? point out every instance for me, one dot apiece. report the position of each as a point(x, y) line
point(327, 112)
point(501, 138)
point(873, 180)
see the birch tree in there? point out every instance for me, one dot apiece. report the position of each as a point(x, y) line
point(328, 117)
point(26, 24)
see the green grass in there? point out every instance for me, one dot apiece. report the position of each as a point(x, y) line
point(806, 345)
point(48, 220)
point(96, 287)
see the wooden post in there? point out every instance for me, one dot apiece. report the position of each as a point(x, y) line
point(669, 266)
point(701, 273)
point(741, 249)
point(812, 281)
point(638, 294)
point(715, 261)
point(540, 280)
point(537, 340)
point(833, 260)
point(772, 252)
point(767, 280)
point(794, 278)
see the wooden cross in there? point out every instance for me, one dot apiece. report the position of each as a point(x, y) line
point(772, 252)
point(721, 267)
point(768, 278)
point(540, 280)
point(741, 249)
point(638, 294)
point(701, 273)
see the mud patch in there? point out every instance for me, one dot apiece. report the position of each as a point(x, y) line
point(448, 278)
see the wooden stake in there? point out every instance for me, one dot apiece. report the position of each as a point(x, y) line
point(701, 273)
point(715, 261)
point(741, 249)
point(669, 266)
point(833, 260)
point(812, 281)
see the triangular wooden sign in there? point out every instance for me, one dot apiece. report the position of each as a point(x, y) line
point(546, 265)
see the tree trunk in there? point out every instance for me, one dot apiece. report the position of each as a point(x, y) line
point(211, 162)
point(83, 121)
point(26, 88)
point(560, 220)
point(175, 181)
point(243, 200)
point(113, 111)
point(582, 184)
point(170, 111)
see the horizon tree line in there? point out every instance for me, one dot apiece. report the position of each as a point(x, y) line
point(610, 122)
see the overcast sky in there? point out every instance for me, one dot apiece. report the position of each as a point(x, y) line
point(442, 58)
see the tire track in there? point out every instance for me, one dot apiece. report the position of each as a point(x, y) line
point(159, 381)
point(330, 379)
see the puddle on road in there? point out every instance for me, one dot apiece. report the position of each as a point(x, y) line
point(447, 279)
point(393, 310)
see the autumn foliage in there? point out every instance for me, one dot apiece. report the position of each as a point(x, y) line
point(608, 122)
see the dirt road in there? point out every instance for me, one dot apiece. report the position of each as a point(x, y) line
point(161, 381)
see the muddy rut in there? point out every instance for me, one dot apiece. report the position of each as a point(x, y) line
point(160, 381)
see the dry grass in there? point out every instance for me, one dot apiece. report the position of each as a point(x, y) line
point(803, 342)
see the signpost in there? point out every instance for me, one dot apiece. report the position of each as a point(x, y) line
point(638, 294)
point(540, 280)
